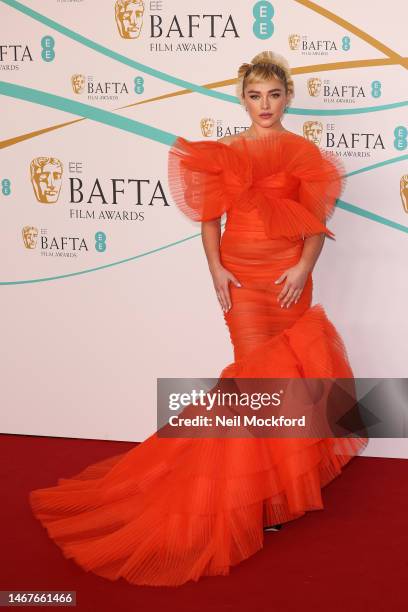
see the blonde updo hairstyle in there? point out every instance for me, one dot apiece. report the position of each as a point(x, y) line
point(263, 67)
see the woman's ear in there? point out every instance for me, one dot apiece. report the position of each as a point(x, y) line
point(289, 99)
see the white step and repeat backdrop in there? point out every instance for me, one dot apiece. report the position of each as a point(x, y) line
point(104, 284)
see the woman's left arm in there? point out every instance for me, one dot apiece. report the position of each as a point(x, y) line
point(297, 275)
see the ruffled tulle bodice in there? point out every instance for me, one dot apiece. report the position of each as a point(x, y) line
point(284, 180)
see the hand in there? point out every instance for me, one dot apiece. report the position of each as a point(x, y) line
point(221, 279)
point(296, 278)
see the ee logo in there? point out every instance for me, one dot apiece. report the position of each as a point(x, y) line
point(263, 12)
point(138, 84)
point(100, 242)
point(400, 141)
point(47, 48)
point(376, 89)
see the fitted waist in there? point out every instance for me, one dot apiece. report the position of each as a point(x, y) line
point(246, 226)
point(257, 260)
point(245, 222)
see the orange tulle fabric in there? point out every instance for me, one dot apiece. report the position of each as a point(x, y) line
point(176, 509)
point(292, 183)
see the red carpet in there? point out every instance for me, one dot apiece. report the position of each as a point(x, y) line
point(351, 556)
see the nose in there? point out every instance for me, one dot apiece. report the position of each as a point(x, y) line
point(265, 103)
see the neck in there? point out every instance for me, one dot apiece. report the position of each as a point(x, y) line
point(256, 131)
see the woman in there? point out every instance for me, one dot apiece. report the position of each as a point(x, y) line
point(176, 509)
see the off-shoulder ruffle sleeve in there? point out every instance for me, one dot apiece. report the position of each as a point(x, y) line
point(321, 179)
point(205, 177)
point(295, 185)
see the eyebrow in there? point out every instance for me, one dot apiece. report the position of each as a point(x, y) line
point(271, 90)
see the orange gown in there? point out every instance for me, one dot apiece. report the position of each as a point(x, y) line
point(175, 509)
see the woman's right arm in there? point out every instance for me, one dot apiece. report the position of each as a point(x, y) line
point(211, 237)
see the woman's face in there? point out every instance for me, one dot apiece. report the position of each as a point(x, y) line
point(265, 101)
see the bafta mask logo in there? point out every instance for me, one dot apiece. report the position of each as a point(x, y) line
point(313, 130)
point(314, 85)
point(129, 17)
point(30, 234)
point(294, 41)
point(207, 126)
point(78, 83)
point(404, 191)
point(46, 177)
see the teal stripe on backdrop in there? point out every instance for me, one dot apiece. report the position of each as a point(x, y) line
point(85, 110)
point(340, 204)
point(392, 160)
point(362, 212)
point(176, 80)
point(136, 127)
point(100, 115)
point(114, 55)
point(109, 265)
point(346, 111)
